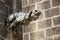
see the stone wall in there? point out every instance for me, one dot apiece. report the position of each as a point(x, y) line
point(47, 27)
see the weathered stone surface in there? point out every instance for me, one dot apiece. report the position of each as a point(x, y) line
point(55, 2)
point(37, 35)
point(57, 38)
point(52, 12)
point(53, 31)
point(26, 37)
point(44, 24)
point(24, 2)
point(56, 20)
point(43, 5)
point(28, 8)
point(30, 28)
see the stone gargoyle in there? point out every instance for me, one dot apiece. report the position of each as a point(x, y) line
point(20, 18)
point(23, 18)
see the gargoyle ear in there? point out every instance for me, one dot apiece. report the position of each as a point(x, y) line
point(30, 13)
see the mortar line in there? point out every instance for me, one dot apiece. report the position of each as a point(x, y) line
point(51, 3)
point(23, 36)
point(35, 6)
point(52, 22)
point(29, 36)
point(36, 25)
point(45, 33)
point(28, 2)
point(43, 14)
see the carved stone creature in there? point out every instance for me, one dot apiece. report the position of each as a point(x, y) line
point(20, 18)
point(23, 18)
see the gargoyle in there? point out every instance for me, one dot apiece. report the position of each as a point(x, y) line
point(23, 18)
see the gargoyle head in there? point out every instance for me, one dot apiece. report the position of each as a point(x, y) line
point(35, 14)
